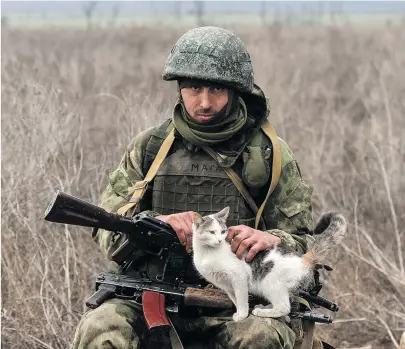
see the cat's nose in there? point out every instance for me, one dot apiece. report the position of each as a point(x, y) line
point(219, 241)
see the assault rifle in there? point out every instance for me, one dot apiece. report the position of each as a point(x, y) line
point(179, 296)
point(154, 237)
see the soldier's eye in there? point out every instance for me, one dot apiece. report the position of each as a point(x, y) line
point(217, 89)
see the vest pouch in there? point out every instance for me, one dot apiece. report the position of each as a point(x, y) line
point(120, 184)
point(124, 188)
point(256, 168)
point(297, 206)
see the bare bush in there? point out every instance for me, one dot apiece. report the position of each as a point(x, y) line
point(73, 99)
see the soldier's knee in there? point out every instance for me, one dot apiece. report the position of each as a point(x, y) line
point(109, 326)
point(260, 333)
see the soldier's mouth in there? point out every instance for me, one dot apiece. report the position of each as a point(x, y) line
point(203, 117)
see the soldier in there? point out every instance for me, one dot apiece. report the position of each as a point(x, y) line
point(219, 108)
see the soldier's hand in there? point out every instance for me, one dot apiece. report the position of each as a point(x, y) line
point(182, 225)
point(243, 238)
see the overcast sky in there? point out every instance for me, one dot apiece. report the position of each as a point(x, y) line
point(163, 7)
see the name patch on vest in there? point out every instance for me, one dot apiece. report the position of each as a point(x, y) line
point(184, 162)
point(198, 167)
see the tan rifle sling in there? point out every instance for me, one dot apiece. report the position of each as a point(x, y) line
point(275, 169)
point(141, 186)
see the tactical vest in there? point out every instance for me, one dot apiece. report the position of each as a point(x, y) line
point(256, 173)
point(194, 181)
point(256, 170)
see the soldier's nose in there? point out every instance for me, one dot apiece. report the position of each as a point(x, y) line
point(205, 102)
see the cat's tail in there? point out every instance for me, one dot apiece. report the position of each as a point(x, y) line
point(330, 231)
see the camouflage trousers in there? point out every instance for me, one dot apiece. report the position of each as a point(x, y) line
point(119, 324)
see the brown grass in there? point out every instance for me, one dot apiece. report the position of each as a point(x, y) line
point(72, 100)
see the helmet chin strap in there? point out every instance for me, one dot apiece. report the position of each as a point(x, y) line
point(233, 102)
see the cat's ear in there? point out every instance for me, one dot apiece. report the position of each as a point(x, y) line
point(197, 218)
point(223, 214)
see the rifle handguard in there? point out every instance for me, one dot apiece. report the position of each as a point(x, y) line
point(210, 298)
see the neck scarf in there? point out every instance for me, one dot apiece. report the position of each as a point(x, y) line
point(227, 138)
point(209, 134)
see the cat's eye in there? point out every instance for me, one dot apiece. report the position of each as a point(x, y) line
point(223, 232)
point(212, 232)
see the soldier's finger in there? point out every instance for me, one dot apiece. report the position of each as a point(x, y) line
point(232, 232)
point(242, 234)
point(190, 217)
point(175, 224)
point(185, 224)
point(237, 240)
point(253, 251)
point(243, 246)
point(188, 221)
point(187, 232)
point(189, 242)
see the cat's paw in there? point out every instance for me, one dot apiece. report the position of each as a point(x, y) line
point(257, 310)
point(240, 316)
point(263, 312)
point(261, 306)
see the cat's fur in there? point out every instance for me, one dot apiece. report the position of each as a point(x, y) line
point(272, 275)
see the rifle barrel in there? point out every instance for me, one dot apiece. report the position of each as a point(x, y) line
point(68, 209)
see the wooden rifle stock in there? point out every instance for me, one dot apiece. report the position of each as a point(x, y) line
point(207, 297)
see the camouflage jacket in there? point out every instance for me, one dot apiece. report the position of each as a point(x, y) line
point(288, 212)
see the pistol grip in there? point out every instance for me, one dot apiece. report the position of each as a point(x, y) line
point(103, 293)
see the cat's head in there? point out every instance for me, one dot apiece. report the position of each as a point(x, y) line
point(211, 230)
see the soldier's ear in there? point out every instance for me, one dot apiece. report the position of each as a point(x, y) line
point(223, 214)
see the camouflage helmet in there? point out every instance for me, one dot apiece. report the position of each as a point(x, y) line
point(212, 54)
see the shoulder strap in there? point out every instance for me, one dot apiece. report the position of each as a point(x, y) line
point(154, 143)
point(276, 166)
point(141, 186)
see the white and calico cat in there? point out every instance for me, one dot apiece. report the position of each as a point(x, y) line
point(272, 274)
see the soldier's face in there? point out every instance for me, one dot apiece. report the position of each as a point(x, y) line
point(202, 103)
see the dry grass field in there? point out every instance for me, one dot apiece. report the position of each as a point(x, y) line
point(73, 99)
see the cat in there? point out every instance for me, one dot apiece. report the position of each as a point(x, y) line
point(272, 275)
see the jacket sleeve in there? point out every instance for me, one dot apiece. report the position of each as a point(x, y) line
point(288, 212)
point(120, 188)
